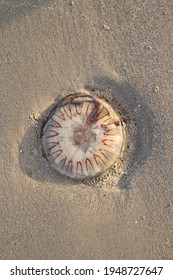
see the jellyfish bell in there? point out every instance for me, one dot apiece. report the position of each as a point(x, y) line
point(83, 137)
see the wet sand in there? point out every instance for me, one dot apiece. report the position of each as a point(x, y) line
point(121, 50)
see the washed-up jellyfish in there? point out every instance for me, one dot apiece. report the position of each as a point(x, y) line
point(83, 136)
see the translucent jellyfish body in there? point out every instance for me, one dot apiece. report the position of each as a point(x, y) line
point(83, 136)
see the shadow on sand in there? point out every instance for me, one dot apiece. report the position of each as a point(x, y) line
point(140, 122)
point(13, 9)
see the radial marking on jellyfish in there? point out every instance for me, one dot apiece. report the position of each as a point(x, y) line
point(87, 163)
point(68, 112)
point(69, 166)
point(98, 159)
point(83, 136)
point(54, 145)
point(59, 153)
point(79, 108)
point(79, 168)
point(62, 162)
point(57, 123)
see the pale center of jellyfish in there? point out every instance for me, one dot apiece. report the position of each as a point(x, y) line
point(80, 137)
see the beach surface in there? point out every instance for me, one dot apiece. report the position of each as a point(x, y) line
point(122, 51)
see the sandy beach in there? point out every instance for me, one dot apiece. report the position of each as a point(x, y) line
point(123, 52)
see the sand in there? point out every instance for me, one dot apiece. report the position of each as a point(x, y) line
point(123, 51)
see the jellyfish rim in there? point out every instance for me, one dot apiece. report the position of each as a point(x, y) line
point(93, 98)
